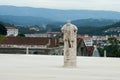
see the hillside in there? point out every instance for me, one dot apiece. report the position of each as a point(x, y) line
point(58, 15)
point(117, 24)
point(29, 20)
point(113, 29)
point(24, 20)
point(93, 27)
point(93, 22)
point(88, 21)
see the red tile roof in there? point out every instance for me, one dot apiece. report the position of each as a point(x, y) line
point(10, 27)
point(28, 41)
point(90, 49)
point(85, 37)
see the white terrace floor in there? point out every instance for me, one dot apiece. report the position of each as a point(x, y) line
point(41, 67)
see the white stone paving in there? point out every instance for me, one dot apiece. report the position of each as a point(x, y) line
point(42, 67)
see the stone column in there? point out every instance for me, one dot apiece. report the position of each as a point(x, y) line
point(70, 43)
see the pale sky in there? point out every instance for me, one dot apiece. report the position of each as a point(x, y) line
point(113, 5)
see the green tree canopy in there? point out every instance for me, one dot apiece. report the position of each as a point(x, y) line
point(21, 35)
point(3, 30)
point(113, 49)
point(2, 38)
point(113, 41)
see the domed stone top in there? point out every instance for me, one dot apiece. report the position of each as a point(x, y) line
point(69, 26)
point(68, 21)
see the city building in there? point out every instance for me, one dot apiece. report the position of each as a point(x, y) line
point(12, 31)
point(87, 39)
point(82, 49)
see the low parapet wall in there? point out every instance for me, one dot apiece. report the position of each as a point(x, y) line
point(46, 51)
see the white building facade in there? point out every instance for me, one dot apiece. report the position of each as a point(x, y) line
point(87, 40)
point(11, 31)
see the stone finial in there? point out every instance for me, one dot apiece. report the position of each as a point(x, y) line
point(68, 21)
point(70, 44)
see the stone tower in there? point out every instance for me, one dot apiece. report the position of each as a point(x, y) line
point(70, 43)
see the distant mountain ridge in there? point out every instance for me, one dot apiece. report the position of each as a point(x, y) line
point(28, 20)
point(41, 16)
point(93, 22)
point(59, 15)
point(24, 20)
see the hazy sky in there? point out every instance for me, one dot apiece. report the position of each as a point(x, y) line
point(113, 5)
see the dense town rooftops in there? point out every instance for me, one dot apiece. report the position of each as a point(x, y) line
point(29, 41)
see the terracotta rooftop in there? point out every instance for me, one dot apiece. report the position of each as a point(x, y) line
point(10, 27)
point(28, 41)
point(85, 37)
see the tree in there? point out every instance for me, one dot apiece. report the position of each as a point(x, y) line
point(21, 35)
point(113, 48)
point(2, 38)
point(3, 30)
point(113, 41)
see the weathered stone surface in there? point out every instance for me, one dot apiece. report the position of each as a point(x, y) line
point(70, 39)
